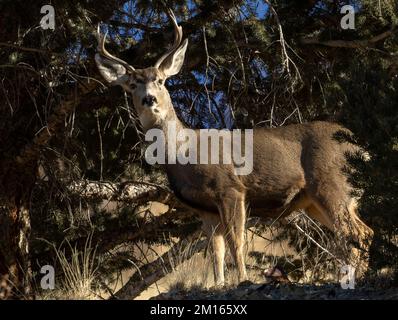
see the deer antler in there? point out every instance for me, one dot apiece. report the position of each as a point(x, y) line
point(177, 38)
point(101, 50)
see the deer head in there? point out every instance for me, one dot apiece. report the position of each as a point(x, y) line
point(147, 86)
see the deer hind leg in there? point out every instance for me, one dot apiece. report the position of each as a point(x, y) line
point(212, 227)
point(352, 234)
point(233, 216)
point(317, 213)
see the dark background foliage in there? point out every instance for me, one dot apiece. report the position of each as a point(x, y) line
point(236, 74)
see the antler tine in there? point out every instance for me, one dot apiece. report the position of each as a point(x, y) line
point(101, 49)
point(177, 38)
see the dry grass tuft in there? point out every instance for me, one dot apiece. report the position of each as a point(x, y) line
point(195, 272)
point(79, 274)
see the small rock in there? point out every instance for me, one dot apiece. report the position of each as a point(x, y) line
point(276, 274)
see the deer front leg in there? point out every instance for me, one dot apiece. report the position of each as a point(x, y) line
point(233, 217)
point(211, 226)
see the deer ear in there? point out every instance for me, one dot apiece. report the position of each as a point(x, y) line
point(114, 73)
point(173, 63)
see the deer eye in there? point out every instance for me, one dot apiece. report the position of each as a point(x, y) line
point(133, 85)
point(160, 81)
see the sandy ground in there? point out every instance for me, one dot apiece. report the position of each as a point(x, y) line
point(203, 275)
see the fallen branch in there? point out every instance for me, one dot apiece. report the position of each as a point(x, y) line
point(129, 191)
point(156, 270)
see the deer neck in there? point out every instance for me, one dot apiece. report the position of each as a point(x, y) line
point(168, 123)
point(171, 125)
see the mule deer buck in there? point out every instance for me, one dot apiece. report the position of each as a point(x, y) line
point(294, 167)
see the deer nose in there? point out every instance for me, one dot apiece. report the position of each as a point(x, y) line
point(149, 100)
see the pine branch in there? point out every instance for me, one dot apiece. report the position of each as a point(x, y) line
point(31, 151)
point(22, 48)
point(351, 44)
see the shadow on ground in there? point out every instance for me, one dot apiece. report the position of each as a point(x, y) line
point(279, 291)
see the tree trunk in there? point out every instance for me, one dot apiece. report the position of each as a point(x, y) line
point(15, 191)
point(18, 173)
point(14, 250)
